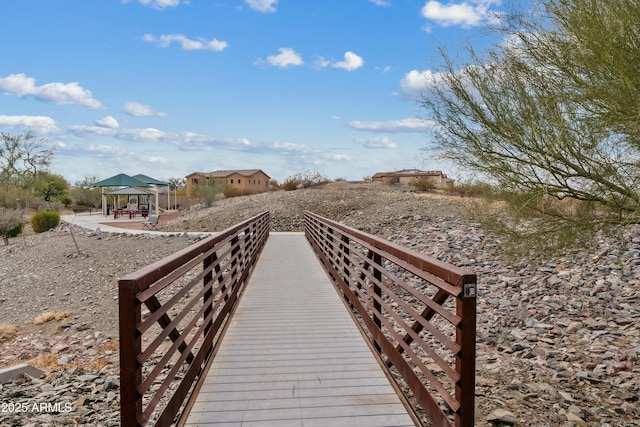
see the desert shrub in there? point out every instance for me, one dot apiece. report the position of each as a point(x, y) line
point(7, 333)
point(11, 224)
point(274, 185)
point(210, 192)
point(13, 196)
point(86, 197)
point(474, 189)
point(422, 183)
point(45, 221)
point(290, 184)
point(306, 179)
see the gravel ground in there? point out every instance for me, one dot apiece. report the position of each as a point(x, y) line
point(558, 340)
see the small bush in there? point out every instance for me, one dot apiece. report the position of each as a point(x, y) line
point(290, 184)
point(273, 184)
point(210, 192)
point(49, 316)
point(307, 179)
point(475, 189)
point(7, 333)
point(45, 221)
point(11, 224)
point(422, 183)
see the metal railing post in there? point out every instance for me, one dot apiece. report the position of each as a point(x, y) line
point(130, 347)
point(466, 359)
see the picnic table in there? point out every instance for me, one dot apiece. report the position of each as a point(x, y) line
point(131, 212)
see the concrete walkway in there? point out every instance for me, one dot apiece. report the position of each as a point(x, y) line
point(292, 355)
point(108, 224)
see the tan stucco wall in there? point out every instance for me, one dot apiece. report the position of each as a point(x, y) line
point(256, 183)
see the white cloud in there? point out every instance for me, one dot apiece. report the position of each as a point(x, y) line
point(351, 62)
point(158, 160)
point(191, 141)
point(187, 141)
point(108, 122)
point(82, 130)
point(337, 156)
point(140, 110)
point(466, 14)
point(160, 4)
point(321, 62)
point(144, 134)
point(392, 126)
point(37, 124)
point(414, 82)
point(264, 6)
point(58, 93)
point(380, 3)
point(286, 58)
point(165, 40)
point(102, 150)
point(376, 142)
point(285, 147)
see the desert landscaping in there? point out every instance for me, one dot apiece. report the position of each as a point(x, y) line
point(558, 339)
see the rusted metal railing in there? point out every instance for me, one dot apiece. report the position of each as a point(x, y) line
point(172, 316)
point(418, 313)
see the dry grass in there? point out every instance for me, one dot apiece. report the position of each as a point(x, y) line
point(8, 332)
point(50, 363)
point(111, 345)
point(49, 316)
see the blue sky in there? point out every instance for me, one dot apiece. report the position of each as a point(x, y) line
point(169, 87)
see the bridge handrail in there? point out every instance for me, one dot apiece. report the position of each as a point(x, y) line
point(169, 290)
point(418, 313)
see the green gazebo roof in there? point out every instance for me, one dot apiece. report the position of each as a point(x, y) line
point(148, 180)
point(120, 180)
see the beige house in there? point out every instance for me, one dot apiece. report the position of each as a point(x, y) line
point(406, 176)
point(244, 181)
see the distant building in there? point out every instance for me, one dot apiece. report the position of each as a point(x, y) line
point(245, 181)
point(406, 176)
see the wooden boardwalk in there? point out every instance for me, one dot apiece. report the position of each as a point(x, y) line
point(292, 355)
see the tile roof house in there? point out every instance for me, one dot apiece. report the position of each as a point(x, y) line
point(245, 181)
point(405, 176)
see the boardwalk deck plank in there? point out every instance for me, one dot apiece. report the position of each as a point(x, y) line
point(292, 355)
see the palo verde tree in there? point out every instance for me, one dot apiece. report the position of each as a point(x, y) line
point(84, 195)
point(209, 192)
point(22, 158)
point(52, 187)
point(550, 115)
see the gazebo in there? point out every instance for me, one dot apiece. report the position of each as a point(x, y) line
point(155, 183)
point(129, 186)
